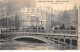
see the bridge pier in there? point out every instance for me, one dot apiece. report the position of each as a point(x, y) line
point(64, 42)
point(70, 43)
point(59, 42)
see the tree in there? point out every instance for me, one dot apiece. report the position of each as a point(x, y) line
point(6, 22)
point(10, 22)
point(17, 22)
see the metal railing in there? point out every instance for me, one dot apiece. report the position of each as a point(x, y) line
point(43, 31)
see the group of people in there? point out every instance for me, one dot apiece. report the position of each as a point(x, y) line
point(63, 27)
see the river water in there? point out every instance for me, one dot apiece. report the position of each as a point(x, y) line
point(20, 45)
point(31, 44)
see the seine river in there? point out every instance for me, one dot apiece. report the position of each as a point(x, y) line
point(27, 44)
point(31, 45)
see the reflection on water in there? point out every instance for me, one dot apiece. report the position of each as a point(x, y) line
point(26, 45)
point(22, 45)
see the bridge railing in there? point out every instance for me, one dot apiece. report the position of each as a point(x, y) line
point(43, 31)
point(65, 31)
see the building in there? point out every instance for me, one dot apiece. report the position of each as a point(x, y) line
point(3, 10)
point(28, 18)
point(28, 14)
point(35, 17)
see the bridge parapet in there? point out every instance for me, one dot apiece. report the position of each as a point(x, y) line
point(44, 31)
point(67, 36)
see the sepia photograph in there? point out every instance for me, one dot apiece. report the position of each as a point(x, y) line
point(39, 24)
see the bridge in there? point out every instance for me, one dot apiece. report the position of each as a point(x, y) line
point(70, 40)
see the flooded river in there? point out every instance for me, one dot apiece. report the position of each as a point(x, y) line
point(31, 45)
